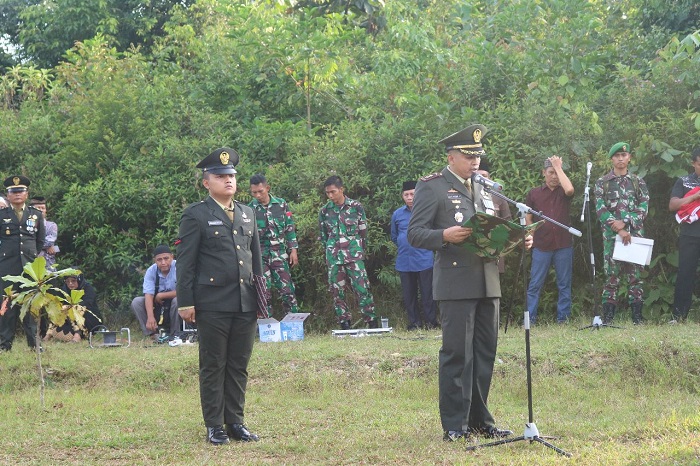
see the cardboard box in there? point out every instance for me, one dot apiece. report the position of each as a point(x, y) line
point(292, 326)
point(269, 330)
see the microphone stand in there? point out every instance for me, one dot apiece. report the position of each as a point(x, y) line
point(531, 433)
point(597, 320)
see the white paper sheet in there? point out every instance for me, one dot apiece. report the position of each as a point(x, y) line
point(637, 252)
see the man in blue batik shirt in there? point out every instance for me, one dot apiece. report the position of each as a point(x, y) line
point(415, 266)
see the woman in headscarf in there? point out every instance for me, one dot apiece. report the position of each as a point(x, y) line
point(69, 331)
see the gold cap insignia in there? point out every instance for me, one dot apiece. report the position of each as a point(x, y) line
point(624, 148)
point(15, 180)
point(224, 158)
point(477, 135)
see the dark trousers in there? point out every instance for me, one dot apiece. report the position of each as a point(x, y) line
point(688, 257)
point(225, 345)
point(469, 340)
point(411, 282)
point(8, 327)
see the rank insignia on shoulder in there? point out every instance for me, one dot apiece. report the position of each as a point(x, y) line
point(432, 176)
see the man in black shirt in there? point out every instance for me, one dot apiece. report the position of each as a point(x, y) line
point(685, 201)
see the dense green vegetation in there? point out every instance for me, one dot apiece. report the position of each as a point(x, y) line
point(109, 113)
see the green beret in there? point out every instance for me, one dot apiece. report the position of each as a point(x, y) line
point(619, 147)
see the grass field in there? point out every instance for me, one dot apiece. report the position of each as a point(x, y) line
point(610, 397)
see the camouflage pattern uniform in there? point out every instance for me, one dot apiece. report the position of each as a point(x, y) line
point(343, 232)
point(621, 198)
point(277, 238)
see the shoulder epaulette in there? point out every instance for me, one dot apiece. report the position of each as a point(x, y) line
point(432, 176)
point(242, 205)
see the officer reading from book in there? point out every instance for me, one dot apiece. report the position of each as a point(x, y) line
point(466, 285)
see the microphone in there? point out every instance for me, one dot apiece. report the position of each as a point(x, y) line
point(588, 168)
point(476, 178)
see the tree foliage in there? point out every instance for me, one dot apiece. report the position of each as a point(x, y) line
point(42, 31)
point(307, 89)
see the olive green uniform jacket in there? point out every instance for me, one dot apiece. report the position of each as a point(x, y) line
point(442, 201)
point(216, 260)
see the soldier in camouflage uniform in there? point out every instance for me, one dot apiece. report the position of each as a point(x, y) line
point(622, 202)
point(343, 232)
point(278, 242)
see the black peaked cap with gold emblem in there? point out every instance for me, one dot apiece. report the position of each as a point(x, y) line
point(467, 141)
point(16, 183)
point(222, 161)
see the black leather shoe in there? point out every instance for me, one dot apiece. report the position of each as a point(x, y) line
point(217, 435)
point(344, 325)
point(455, 435)
point(494, 432)
point(240, 432)
point(374, 323)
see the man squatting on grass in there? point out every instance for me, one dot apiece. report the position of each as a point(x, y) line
point(158, 308)
point(467, 286)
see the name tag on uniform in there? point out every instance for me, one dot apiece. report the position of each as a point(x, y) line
point(213, 223)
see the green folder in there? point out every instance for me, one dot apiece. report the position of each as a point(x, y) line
point(493, 237)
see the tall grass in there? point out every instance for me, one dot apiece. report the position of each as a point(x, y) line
point(611, 397)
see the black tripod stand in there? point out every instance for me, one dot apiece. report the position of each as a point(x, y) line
point(597, 321)
point(531, 433)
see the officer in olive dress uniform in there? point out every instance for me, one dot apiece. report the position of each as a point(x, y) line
point(466, 286)
point(218, 253)
point(21, 238)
